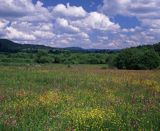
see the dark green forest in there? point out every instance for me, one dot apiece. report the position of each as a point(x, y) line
point(141, 57)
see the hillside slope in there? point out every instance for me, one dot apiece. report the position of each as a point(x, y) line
point(10, 46)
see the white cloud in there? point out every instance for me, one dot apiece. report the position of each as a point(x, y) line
point(14, 34)
point(46, 26)
point(146, 11)
point(96, 20)
point(134, 7)
point(43, 34)
point(142, 9)
point(69, 11)
point(3, 23)
point(100, 21)
point(66, 25)
point(15, 8)
point(61, 25)
point(40, 14)
point(84, 35)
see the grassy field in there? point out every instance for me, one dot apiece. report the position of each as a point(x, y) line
point(54, 97)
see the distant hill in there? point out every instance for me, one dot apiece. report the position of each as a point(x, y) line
point(156, 47)
point(7, 46)
point(10, 46)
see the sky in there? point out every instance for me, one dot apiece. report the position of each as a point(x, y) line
point(98, 24)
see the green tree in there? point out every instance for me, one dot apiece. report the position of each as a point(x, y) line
point(137, 59)
point(150, 59)
point(42, 57)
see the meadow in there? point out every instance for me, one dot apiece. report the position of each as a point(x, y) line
point(85, 97)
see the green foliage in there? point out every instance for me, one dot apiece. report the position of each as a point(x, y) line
point(150, 59)
point(157, 48)
point(137, 59)
point(42, 57)
point(111, 60)
point(141, 57)
point(81, 98)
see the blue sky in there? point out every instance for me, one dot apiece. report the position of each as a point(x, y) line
point(92, 5)
point(89, 5)
point(102, 24)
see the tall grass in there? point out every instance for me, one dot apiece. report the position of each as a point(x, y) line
point(78, 98)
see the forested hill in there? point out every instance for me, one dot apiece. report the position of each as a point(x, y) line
point(141, 57)
point(10, 46)
point(156, 47)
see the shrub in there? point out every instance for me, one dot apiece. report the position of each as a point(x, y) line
point(150, 59)
point(42, 57)
point(137, 59)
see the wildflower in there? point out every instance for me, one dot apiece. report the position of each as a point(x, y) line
point(48, 98)
point(21, 93)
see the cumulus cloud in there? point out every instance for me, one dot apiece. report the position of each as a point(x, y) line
point(3, 23)
point(15, 8)
point(69, 11)
point(133, 7)
point(60, 25)
point(43, 34)
point(146, 11)
point(96, 20)
point(12, 33)
point(65, 25)
point(142, 9)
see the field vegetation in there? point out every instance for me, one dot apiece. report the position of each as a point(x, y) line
point(137, 58)
point(85, 97)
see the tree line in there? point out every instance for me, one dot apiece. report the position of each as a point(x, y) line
point(137, 58)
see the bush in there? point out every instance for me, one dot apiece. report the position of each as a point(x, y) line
point(42, 57)
point(150, 59)
point(137, 59)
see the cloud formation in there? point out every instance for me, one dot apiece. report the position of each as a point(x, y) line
point(15, 8)
point(65, 25)
point(69, 11)
point(146, 11)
